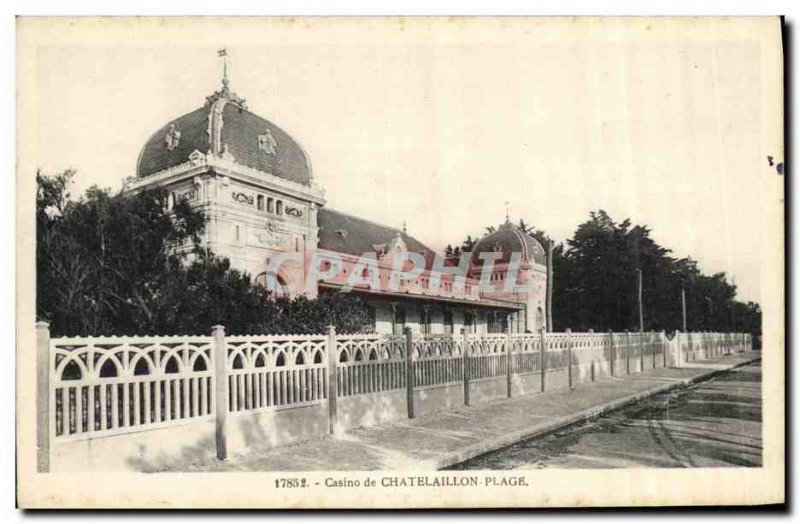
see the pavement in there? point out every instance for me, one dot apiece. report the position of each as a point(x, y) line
point(713, 423)
point(443, 439)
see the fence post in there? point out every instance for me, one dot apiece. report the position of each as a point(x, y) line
point(612, 352)
point(542, 355)
point(641, 351)
point(333, 381)
point(465, 365)
point(221, 390)
point(628, 352)
point(568, 331)
point(43, 397)
point(663, 341)
point(509, 355)
point(653, 347)
point(409, 371)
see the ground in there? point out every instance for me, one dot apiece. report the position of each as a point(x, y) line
point(715, 423)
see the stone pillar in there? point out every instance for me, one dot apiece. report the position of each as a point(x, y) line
point(333, 381)
point(409, 371)
point(641, 351)
point(569, 356)
point(612, 352)
point(43, 398)
point(543, 356)
point(220, 390)
point(465, 365)
point(509, 357)
point(628, 352)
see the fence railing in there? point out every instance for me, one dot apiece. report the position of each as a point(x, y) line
point(705, 345)
point(104, 386)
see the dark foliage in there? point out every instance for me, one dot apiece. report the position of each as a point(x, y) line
point(595, 283)
point(124, 264)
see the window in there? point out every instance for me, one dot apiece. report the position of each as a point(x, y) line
point(469, 322)
point(260, 202)
point(448, 321)
point(491, 323)
point(236, 228)
point(270, 205)
point(425, 320)
point(279, 207)
point(399, 320)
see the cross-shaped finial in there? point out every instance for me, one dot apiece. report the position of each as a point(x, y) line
point(223, 53)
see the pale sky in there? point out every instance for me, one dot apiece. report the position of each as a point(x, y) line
point(439, 124)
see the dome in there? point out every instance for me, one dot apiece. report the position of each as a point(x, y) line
point(224, 127)
point(509, 239)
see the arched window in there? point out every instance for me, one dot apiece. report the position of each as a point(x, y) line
point(260, 202)
point(270, 205)
point(279, 207)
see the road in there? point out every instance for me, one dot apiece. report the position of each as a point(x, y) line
point(716, 423)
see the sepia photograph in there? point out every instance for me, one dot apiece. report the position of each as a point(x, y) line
point(399, 262)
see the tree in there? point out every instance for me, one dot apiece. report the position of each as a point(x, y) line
point(126, 264)
point(103, 259)
point(596, 284)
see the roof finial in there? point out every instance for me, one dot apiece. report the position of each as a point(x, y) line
point(223, 53)
point(508, 212)
point(225, 93)
point(405, 227)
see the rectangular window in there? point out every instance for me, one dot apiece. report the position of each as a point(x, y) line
point(448, 321)
point(469, 323)
point(491, 323)
point(425, 321)
point(399, 320)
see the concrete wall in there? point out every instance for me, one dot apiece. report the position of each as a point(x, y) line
point(158, 448)
point(371, 409)
point(151, 450)
point(429, 399)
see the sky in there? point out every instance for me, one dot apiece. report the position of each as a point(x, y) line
point(445, 125)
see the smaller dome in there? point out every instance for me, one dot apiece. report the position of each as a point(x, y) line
point(509, 239)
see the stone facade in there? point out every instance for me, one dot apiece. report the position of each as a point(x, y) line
point(254, 185)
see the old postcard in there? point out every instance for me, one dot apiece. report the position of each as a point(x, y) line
point(399, 262)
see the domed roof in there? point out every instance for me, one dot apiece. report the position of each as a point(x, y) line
point(224, 127)
point(509, 239)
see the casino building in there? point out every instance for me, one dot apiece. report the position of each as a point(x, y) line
point(254, 183)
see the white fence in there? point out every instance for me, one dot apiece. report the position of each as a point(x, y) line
point(91, 387)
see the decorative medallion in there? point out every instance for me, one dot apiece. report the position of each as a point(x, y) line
point(173, 137)
point(267, 143)
point(294, 211)
point(242, 198)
